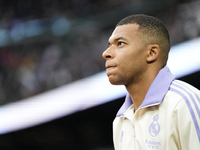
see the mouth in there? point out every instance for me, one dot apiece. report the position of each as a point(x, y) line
point(110, 70)
point(110, 67)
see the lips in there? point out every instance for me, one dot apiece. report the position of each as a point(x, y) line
point(107, 67)
point(110, 67)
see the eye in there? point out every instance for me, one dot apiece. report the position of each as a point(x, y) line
point(120, 43)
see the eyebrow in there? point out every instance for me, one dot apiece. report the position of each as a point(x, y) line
point(117, 39)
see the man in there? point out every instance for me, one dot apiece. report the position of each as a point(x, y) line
point(159, 112)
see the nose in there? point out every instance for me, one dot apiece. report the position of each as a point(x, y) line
point(107, 54)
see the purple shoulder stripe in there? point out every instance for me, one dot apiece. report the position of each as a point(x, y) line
point(190, 94)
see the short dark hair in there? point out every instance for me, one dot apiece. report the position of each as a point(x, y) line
point(153, 31)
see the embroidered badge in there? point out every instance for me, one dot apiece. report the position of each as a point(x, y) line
point(154, 128)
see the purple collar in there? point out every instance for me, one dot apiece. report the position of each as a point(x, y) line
point(156, 92)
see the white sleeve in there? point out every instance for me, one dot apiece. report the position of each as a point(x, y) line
point(188, 125)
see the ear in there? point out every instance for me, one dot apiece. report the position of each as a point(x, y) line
point(153, 53)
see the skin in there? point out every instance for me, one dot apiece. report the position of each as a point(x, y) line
point(130, 62)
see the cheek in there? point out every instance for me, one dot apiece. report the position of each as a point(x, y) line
point(129, 61)
point(133, 63)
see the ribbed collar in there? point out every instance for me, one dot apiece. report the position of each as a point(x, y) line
point(156, 92)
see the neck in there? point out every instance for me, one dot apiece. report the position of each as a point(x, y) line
point(138, 90)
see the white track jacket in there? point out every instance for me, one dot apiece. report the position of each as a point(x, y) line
point(168, 118)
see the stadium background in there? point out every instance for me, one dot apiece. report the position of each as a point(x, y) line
point(45, 44)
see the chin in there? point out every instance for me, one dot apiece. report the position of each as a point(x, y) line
point(114, 82)
point(117, 80)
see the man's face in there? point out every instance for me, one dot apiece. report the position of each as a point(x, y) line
point(126, 55)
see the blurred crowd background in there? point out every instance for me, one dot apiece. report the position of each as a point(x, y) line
point(45, 44)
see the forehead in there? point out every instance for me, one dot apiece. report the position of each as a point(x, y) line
point(127, 31)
